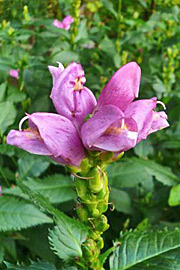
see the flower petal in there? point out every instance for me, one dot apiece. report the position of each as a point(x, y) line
point(58, 24)
point(122, 88)
point(67, 21)
point(142, 112)
point(55, 72)
point(106, 131)
point(159, 121)
point(60, 136)
point(29, 140)
point(71, 99)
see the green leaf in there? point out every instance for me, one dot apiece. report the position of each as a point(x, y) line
point(163, 174)
point(30, 166)
point(103, 257)
point(57, 187)
point(167, 261)
point(109, 6)
point(128, 174)
point(108, 46)
point(8, 115)
point(137, 247)
point(66, 57)
point(1, 252)
point(32, 266)
point(10, 247)
point(122, 200)
point(2, 91)
point(18, 214)
point(66, 238)
point(174, 197)
point(133, 171)
point(144, 149)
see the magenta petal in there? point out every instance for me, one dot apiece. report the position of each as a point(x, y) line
point(58, 24)
point(103, 131)
point(55, 72)
point(71, 99)
point(14, 73)
point(67, 21)
point(60, 136)
point(28, 140)
point(159, 121)
point(122, 88)
point(142, 112)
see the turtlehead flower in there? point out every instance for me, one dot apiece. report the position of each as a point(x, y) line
point(117, 122)
point(65, 24)
point(14, 73)
point(122, 122)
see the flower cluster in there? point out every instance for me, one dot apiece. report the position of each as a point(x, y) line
point(65, 24)
point(114, 123)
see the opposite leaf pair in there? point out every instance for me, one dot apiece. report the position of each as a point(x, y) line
point(117, 123)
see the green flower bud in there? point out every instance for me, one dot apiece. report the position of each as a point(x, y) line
point(101, 223)
point(82, 189)
point(96, 182)
point(82, 212)
point(100, 243)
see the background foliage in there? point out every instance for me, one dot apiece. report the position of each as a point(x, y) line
point(145, 186)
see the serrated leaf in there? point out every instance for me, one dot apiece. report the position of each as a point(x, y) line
point(167, 261)
point(137, 247)
point(66, 238)
point(32, 266)
point(18, 214)
point(1, 252)
point(32, 166)
point(8, 115)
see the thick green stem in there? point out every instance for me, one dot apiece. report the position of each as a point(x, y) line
point(93, 193)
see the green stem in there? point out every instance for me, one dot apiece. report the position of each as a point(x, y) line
point(118, 44)
point(76, 15)
point(94, 196)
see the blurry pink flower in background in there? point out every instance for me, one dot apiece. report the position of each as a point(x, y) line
point(65, 24)
point(0, 191)
point(14, 73)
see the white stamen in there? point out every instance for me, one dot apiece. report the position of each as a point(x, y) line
point(160, 102)
point(22, 121)
point(122, 123)
point(60, 65)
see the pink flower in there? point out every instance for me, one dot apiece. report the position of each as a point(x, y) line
point(65, 24)
point(0, 191)
point(14, 73)
point(117, 123)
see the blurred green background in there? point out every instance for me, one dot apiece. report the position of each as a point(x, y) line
point(106, 35)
